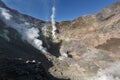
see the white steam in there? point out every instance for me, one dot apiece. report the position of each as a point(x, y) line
point(26, 29)
point(5, 13)
point(110, 73)
point(53, 23)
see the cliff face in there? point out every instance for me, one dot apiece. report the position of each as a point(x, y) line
point(82, 47)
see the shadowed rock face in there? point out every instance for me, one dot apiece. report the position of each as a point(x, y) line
point(17, 69)
point(82, 47)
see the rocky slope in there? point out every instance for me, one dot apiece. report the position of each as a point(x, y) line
point(91, 42)
point(17, 69)
point(86, 48)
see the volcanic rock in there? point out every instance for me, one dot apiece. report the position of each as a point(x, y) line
point(86, 48)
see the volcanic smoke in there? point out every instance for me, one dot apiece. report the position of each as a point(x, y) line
point(53, 22)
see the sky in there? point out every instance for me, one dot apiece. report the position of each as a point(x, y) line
point(65, 9)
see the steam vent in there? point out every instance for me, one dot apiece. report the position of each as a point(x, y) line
point(85, 48)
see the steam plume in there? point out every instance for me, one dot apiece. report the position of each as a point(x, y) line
point(110, 73)
point(26, 29)
point(53, 22)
